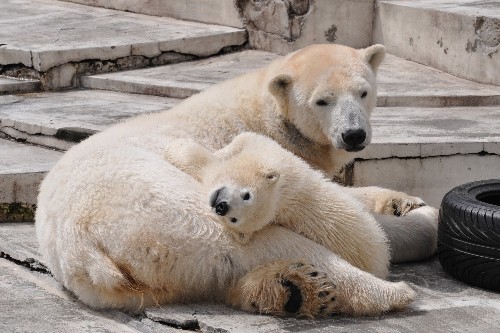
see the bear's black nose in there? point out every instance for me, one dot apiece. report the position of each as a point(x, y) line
point(222, 208)
point(354, 138)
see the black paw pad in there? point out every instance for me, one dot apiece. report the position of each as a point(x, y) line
point(295, 299)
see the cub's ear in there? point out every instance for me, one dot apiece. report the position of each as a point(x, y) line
point(272, 176)
point(374, 55)
point(280, 84)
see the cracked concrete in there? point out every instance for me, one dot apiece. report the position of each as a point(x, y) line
point(286, 25)
point(59, 120)
point(442, 305)
point(51, 37)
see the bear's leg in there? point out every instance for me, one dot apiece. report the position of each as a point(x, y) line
point(292, 275)
point(384, 201)
point(410, 225)
point(411, 237)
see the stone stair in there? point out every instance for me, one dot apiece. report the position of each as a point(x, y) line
point(55, 42)
point(71, 68)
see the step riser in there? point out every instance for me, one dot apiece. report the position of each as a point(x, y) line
point(460, 44)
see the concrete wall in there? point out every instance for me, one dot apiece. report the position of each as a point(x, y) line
point(286, 25)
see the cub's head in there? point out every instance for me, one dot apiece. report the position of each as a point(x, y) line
point(244, 193)
point(327, 92)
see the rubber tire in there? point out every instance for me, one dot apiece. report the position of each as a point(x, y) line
point(469, 233)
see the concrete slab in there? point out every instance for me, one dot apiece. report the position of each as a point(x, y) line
point(15, 86)
point(180, 80)
point(424, 132)
point(59, 120)
point(34, 303)
point(42, 34)
point(401, 82)
point(443, 304)
point(460, 37)
point(22, 169)
point(222, 12)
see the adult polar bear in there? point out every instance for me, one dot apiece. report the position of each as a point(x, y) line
point(120, 227)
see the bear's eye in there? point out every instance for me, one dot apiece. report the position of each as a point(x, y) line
point(246, 196)
point(363, 95)
point(321, 102)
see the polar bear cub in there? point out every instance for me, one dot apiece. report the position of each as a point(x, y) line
point(244, 199)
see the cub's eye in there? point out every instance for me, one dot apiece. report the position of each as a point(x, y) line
point(246, 196)
point(363, 95)
point(321, 102)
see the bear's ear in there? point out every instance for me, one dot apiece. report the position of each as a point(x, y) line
point(374, 55)
point(280, 84)
point(272, 176)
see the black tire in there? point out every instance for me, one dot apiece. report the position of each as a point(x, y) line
point(469, 233)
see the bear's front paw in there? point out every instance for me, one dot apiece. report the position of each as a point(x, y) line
point(400, 204)
point(288, 288)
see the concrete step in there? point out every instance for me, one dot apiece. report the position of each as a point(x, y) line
point(10, 85)
point(57, 41)
point(428, 151)
point(401, 82)
point(460, 37)
point(61, 119)
point(276, 25)
point(22, 168)
point(441, 146)
point(34, 302)
point(224, 12)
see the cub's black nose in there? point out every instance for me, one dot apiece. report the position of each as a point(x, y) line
point(221, 208)
point(354, 137)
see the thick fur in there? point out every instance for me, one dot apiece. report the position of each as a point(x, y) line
point(122, 227)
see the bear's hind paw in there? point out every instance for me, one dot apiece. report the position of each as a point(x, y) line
point(288, 288)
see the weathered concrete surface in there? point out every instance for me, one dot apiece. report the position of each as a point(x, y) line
point(273, 25)
point(428, 151)
point(425, 132)
point(461, 37)
point(401, 82)
point(59, 120)
point(224, 12)
point(22, 168)
point(53, 37)
point(180, 80)
point(285, 25)
point(442, 305)
point(15, 86)
point(428, 178)
point(32, 303)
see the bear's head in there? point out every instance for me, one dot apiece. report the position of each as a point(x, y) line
point(328, 93)
point(244, 192)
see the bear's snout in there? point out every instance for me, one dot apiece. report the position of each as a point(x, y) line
point(222, 208)
point(218, 201)
point(354, 139)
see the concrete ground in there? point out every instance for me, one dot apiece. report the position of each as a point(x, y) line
point(431, 131)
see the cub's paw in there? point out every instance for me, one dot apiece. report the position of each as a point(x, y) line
point(288, 289)
point(399, 204)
